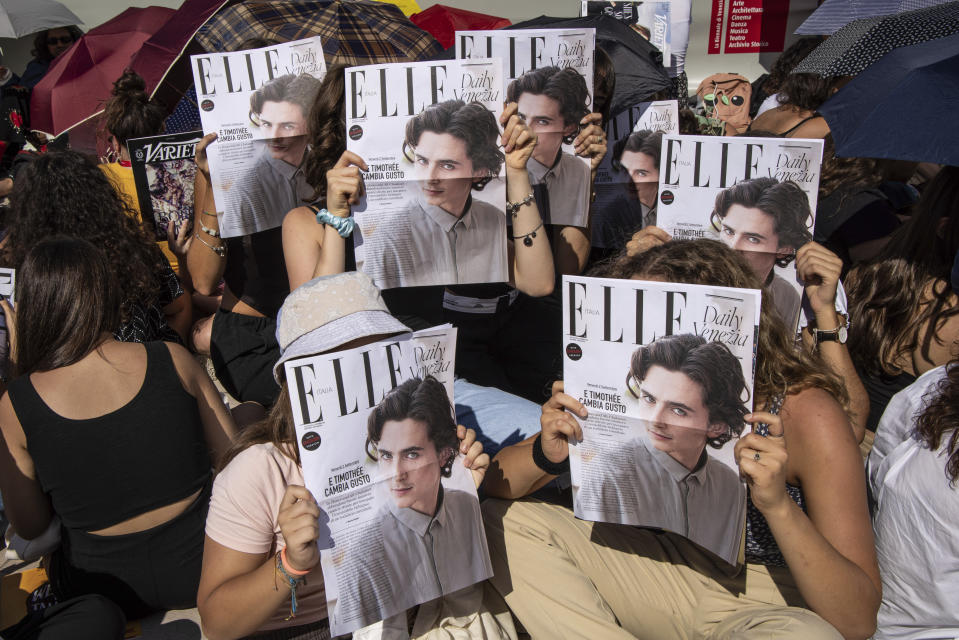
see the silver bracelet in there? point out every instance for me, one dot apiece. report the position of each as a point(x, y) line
point(213, 233)
point(513, 207)
point(220, 251)
point(528, 237)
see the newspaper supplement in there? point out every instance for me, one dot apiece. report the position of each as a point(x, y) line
point(651, 19)
point(400, 520)
point(553, 101)
point(666, 372)
point(627, 181)
point(434, 211)
point(257, 102)
point(747, 192)
point(164, 168)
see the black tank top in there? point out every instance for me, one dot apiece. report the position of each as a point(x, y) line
point(100, 471)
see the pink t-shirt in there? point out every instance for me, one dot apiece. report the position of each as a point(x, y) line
point(243, 509)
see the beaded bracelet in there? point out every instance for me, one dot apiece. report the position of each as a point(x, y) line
point(213, 233)
point(513, 207)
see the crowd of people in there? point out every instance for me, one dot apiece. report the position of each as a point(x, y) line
point(149, 433)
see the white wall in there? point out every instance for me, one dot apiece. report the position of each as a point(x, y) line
point(698, 63)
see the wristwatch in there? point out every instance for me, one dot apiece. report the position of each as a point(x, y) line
point(839, 334)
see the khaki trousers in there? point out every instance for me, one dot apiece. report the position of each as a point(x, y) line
point(569, 578)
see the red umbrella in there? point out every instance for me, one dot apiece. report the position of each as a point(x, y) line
point(443, 22)
point(164, 59)
point(80, 80)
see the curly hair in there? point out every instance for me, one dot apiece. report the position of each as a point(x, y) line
point(472, 123)
point(851, 174)
point(66, 289)
point(785, 202)
point(940, 417)
point(327, 130)
point(780, 367)
point(65, 192)
point(130, 113)
point(423, 400)
point(566, 86)
point(300, 90)
point(700, 361)
point(901, 299)
point(40, 50)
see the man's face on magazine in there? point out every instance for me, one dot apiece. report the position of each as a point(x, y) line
point(545, 119)
point(444, 171)
point(283, 126)
point(643, 173)
point(410, 461)
point(752, 232)
point(676, 419)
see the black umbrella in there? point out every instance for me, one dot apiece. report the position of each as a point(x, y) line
point(862, 42)
point(638, 64)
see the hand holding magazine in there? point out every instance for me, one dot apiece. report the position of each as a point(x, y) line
point(657, 445)
point(399, 515)
point(757, 195)
point(164, 169)
point(549, 73)
point(258, 101)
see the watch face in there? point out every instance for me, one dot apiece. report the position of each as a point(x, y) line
point(843, 334)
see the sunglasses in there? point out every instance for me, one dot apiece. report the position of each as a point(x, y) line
point(63, 40)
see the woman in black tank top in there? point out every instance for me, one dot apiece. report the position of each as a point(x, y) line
point(126, 466)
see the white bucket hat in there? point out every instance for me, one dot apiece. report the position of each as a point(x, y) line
point(328, 312)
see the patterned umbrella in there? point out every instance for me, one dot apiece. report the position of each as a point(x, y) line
point(355, 32)
point(862, 42)
point(832, 15)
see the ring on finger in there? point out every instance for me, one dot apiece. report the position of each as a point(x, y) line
point(756, 456)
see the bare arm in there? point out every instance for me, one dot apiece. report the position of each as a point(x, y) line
point(819, 269)
point(25, 504)
point(312, 249)
point(530, 266)
point(831, 551)
point(219, 429)
point(513, 474)
point(239, 591)
point(205, 264)
point(179, 315)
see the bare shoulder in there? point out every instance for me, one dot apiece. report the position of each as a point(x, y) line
point(818, 433)
point(186, 365)
point(300, 220)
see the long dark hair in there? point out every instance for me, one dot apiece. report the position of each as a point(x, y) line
point(941, 416)
point(327, 130)
point(887, 300)
point(130, 113)
point(65, 192)
point(66, 300)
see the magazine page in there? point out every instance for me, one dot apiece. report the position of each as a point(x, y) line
point(627, 181)
point(7, 280)
point(164, 168)
point(553, 99)
point(434, 211)
point(257, 102)
point(400, 518)
point(666, 373)
point(757, 195)
point(651, 19)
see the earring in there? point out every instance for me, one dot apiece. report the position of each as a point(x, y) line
point(447, 467)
